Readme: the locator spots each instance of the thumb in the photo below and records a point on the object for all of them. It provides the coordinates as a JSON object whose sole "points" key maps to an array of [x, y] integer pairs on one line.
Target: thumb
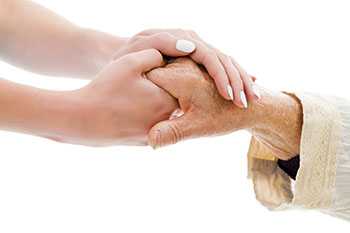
{"points": [[142, 61], [172, 131]]}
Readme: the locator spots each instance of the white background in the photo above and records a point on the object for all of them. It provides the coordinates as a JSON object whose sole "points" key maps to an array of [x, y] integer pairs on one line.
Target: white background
{"points": [[195, 186]]}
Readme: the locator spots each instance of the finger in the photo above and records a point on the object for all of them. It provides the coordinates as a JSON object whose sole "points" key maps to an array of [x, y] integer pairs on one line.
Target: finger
{"points": [[174, 79], [249, 87], [172, 131], [202, 55], [167, 44], [235, 85], [211, 62], [164, 80], [172, 31], [142, 61], [235, 81], [151, 31]]}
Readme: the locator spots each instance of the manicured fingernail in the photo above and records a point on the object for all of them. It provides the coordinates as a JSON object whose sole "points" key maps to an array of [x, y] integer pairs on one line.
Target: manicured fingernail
{"points": [[256, 92], [243, 99], [185, 46], [229, 92]]}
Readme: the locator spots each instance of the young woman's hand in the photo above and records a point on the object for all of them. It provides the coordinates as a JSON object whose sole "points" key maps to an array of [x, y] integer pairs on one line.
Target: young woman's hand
{"points": [[120, 105], [232, 81]]}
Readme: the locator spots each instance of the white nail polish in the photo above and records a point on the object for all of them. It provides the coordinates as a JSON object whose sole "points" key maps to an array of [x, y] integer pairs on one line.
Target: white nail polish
{"points": [[229, 91], [256, 92], [243, 99], [185, 46]]}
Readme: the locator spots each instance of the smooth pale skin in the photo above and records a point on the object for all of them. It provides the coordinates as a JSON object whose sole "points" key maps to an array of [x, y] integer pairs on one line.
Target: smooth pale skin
{"points": [[102, 113], [275, 120], [36, 39]]}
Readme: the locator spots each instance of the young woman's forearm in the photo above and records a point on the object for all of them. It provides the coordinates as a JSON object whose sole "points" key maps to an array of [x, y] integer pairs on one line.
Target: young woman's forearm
{"points": [[100, 113], [34, 111], [36, 39]]}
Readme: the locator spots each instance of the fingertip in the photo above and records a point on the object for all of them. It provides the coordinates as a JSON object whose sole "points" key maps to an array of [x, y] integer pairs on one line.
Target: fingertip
{"points": [[256, 92], [251, 90], [230, 92], [238, 103], [240, 99], [243, 99], [226, 94], [185, 46], [146, 60], [224, 88], [154, 138], [154, 147], [155, 52]]}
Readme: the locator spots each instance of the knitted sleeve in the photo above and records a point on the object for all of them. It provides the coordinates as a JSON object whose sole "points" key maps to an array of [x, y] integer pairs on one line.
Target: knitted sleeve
{"points": [[323, 178]]}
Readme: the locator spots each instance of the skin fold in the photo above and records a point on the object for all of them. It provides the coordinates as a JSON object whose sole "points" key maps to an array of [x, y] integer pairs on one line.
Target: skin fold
{"points": [[275, 120]]}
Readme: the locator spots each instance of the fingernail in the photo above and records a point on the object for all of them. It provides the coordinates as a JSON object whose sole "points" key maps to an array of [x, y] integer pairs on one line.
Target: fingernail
{"points": [[185, 46], [256, 92], [229, 92], [243, 99]]}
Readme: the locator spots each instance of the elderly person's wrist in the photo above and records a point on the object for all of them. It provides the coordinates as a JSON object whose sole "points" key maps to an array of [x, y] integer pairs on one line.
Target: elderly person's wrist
{"points": [[277, 122]]}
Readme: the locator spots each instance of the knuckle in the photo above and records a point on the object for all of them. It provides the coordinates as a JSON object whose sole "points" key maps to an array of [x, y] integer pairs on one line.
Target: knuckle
{"points": [[135, 46], [219, 78], [161, 37], [237, 84], [248, 86], [247, 80], [181, 31], [192, 33], [155, 52], [144, 32], [130, 60], [224, 58], [209, 56], [212, 54], [152, 52], [135, 38]]}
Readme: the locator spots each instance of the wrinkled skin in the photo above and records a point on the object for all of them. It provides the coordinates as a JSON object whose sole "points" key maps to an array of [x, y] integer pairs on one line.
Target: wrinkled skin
{"points": [[275, 120]]}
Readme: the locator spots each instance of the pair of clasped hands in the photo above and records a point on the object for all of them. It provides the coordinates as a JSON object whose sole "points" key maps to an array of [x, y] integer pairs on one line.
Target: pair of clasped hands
{"points": [[139, 99], [161, 87]]}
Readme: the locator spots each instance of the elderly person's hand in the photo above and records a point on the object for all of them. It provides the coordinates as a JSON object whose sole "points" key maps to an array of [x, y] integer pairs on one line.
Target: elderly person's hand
{"points": [[275, 120]]}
